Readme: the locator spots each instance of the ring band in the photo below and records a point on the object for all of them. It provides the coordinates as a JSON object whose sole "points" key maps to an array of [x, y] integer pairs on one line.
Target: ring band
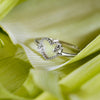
{"points": [[58, 50]]}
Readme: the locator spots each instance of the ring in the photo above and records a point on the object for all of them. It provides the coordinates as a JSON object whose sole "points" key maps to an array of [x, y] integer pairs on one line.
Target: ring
{"points": [[58, 49]]}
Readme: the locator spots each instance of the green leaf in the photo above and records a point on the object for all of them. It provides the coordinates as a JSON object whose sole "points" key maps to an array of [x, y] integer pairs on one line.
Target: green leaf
{"points": [[81, 75], [1, 43], [14, 66], [6, 6], [6, 95], [48, 81], [6, 46], [46, 96], [89, 52], [29, 89]]}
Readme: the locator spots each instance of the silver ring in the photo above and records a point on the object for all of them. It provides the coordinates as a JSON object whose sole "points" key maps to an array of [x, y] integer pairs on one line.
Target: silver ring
{"points": [[58, 50]]}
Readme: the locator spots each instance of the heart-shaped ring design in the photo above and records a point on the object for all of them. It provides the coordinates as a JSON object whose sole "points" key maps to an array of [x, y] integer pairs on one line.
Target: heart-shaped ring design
{"points": [[58, 49]]}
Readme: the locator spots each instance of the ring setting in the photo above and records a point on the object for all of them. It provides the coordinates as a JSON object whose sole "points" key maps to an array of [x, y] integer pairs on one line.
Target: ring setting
{"points": [[57, 50]]}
